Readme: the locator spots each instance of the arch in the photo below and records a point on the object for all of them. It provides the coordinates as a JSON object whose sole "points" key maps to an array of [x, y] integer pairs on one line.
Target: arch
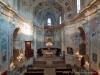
{"points": [[15, 35], [20, 42], [43, 15], [15, 51]]}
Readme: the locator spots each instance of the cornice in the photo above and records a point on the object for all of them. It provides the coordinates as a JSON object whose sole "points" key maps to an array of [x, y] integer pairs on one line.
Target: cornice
{"points": [[88, 11], [8, 9], [93, 6]]}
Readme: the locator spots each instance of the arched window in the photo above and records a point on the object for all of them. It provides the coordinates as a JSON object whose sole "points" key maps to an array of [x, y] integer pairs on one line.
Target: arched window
{"points": [[60, 20], [49, 21], [78, 6]]}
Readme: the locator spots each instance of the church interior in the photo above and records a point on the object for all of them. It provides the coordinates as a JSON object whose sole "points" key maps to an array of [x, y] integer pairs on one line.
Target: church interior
{"points": [[49, 37]]}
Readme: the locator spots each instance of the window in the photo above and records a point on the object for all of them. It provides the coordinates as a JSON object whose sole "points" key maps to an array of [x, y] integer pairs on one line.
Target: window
{"points": [[49, 21], [60, 20], [78, 6]]}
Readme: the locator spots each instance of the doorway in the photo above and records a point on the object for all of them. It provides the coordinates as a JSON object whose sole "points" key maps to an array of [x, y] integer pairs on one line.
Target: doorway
{"points": [[28, 49]]}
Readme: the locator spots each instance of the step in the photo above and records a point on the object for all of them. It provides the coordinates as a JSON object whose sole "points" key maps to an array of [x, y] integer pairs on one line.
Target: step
{"points": [[49, 71]]}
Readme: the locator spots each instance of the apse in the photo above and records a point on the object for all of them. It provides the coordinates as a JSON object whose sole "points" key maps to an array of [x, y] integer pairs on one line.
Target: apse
{"points": [[44, 10], [45, 14]]}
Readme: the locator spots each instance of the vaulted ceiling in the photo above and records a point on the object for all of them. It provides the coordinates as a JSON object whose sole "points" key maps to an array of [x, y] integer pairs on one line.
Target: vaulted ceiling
{"points": [[65, 4], [42, 9]]}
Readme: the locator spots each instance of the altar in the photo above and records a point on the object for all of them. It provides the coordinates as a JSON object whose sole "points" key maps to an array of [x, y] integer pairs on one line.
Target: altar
{"points": [[48, 54]]}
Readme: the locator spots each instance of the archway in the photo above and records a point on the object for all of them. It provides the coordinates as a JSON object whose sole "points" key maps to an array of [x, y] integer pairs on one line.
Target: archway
{"points": [[15, 51], [15, 35], [21, 41]]}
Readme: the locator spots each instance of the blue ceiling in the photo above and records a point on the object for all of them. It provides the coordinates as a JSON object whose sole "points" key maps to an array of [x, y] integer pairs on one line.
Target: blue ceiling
{"points": [[43, 11]]}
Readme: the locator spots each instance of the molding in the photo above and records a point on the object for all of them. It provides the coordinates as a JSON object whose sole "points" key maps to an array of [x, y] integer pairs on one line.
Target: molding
{"points": [[92, 8], [8, 9]]}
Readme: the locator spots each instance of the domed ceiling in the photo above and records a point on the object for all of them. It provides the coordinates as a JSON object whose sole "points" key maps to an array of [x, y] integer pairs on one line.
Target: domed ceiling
{"points": [[44, 9]]}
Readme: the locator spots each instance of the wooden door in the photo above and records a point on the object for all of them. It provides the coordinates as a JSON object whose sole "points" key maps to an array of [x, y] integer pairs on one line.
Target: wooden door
{"points": [[28, 49], [27, 45]]}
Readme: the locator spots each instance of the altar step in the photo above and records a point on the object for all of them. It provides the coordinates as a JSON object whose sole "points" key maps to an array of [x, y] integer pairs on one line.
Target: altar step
{"points": [[49, 64], [49, 71]]}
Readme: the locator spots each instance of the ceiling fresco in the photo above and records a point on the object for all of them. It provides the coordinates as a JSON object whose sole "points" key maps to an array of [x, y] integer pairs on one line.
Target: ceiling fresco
{"points": [[43, 9]]}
